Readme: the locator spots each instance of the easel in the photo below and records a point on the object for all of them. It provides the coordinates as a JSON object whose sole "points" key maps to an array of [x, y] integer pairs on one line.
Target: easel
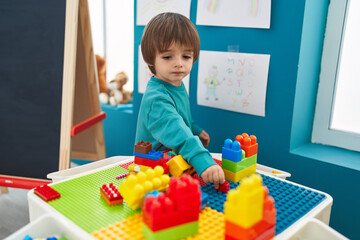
{"points": [[81, 134], [80, 104]]}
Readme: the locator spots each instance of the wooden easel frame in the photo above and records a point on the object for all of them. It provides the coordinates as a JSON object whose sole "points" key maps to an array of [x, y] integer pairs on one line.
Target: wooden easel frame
{"points": [[80, 99]]}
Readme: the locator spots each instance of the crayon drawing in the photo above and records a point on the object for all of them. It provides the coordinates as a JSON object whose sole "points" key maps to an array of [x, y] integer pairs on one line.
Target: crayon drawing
{"points": [[234, 13], [146, 9], [233, 81]]}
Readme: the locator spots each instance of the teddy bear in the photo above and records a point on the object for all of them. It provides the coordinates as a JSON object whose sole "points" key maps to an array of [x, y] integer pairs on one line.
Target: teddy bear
{"points": [[101, 69], [116, 93]]}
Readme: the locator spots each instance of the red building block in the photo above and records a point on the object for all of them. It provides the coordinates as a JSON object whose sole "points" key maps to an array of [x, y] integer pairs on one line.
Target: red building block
{"points": [[180, 205], [111, 194], [143, 147], [46, 193], [225, 187], [148, 162], [248, 144]]}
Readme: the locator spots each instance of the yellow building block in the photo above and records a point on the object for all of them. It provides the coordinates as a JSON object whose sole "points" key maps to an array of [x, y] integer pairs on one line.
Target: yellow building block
{"points": [[135, 186], [244, 205], [138, 168], [238, 176], [211, 227], [177, 166]]}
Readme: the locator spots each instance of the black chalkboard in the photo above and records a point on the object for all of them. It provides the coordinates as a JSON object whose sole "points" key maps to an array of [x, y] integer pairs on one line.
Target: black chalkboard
{"points": [[31, 71]]}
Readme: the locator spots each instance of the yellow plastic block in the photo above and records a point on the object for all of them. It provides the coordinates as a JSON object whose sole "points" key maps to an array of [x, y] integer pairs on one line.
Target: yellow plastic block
{"points": [[244, 205], [211, 227], [238, 176], [177, 166], [135, 186], [127, 229]]}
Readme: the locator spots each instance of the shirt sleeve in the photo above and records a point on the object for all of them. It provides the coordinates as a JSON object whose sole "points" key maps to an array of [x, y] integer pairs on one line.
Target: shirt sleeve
{"points": [[169, 128], [196, 129]]}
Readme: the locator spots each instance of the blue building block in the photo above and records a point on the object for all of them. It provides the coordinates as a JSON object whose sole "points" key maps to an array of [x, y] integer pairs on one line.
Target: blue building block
{"points": [[232, 151], [291, 201], [153, 155], [204, 200]]}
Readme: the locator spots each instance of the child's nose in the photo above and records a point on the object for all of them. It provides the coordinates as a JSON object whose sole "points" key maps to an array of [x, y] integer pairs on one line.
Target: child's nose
{"points": [[178, 62]]}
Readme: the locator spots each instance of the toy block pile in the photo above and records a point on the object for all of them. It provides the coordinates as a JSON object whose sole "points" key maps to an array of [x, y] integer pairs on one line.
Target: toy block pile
{"points": [[239, 157], [175, 214], [135, 186], [147, 158], [249, 211]]}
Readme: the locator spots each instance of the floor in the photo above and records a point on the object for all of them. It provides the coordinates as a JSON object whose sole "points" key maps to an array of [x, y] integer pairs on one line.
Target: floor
{"points": [[14, 211]]}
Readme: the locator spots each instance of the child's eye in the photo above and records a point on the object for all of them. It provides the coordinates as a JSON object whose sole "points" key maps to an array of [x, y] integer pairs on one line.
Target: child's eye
{"points": [[166, 57], [187, 57]]}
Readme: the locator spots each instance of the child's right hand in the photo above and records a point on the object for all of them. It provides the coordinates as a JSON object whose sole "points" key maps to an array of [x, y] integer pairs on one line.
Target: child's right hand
{"points": [[213, 174]]}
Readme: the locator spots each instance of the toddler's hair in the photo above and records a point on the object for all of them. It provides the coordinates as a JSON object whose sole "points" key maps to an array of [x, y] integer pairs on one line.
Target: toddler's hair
{"points": [[165, 29]]}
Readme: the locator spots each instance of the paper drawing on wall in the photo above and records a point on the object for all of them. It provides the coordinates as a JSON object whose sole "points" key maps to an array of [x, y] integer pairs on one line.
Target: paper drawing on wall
{"points": [[234, 13], [147, 9], [233, 81]]}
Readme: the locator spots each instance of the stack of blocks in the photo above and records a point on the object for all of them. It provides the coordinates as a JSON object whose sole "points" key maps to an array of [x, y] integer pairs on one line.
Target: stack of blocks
{"points": [[148, 158], [135, 186], [249, 211], [239, 157], [175, 214]]}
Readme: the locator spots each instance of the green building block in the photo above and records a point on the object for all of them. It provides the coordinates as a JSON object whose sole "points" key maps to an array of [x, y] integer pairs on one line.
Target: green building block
{"points": [[239, 166], [173, 233]]}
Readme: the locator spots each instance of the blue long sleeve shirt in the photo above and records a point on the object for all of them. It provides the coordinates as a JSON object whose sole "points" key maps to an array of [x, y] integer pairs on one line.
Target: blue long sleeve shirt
{"points": [[165, 120]]}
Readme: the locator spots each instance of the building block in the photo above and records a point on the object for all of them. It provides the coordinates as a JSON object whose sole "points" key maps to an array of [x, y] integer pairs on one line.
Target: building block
{"points": [[178, 166], [148, 162], [143, 147], [179, 205], [248, 144], [204, 200], [111, 195], [154, 155], [239, 166], [251, 233], [244, 205], [135, 186], [122, 175], [46, 193], [225, 187], [174, 233], [238, 176], [232, 151]]}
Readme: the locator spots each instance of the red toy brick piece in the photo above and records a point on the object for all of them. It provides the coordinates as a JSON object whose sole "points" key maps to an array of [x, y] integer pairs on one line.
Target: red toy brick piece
{"points": [[111, 194], [46, 193], [143, 147], [218, 162], [180, 205], [248, 144], [126, 165], [225, 187], [148, 162]]}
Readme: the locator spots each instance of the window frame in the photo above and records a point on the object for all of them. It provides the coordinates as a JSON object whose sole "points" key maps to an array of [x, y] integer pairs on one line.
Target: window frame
{"points": [[322, 133]]}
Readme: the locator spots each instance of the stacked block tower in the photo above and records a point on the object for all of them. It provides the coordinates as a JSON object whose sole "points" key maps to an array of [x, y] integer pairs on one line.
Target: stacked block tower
{"points": [[239, 157], [147, 158], [175, 214], [249, 211]]}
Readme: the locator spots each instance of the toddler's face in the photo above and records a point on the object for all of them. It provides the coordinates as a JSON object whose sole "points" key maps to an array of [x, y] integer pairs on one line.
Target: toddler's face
{"points": [[173, 64]]}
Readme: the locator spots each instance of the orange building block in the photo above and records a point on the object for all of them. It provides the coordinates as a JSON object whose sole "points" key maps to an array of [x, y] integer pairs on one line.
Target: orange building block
{"points": [[248, 144]]}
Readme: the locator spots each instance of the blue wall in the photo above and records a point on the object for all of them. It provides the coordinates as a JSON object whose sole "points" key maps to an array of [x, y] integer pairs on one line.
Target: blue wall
{"points": [[294, 42]]}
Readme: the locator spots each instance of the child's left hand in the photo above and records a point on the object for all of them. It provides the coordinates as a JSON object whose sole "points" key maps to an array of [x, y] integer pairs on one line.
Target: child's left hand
{"points": [[205, 138]]}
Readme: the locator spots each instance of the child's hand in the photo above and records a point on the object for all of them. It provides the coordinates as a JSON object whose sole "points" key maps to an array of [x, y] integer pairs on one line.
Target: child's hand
{"points": [[213, 174], [205, 138]]}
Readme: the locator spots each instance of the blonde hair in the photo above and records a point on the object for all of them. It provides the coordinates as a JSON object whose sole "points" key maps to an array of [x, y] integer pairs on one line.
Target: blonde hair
{"points": [[165, 29]]}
